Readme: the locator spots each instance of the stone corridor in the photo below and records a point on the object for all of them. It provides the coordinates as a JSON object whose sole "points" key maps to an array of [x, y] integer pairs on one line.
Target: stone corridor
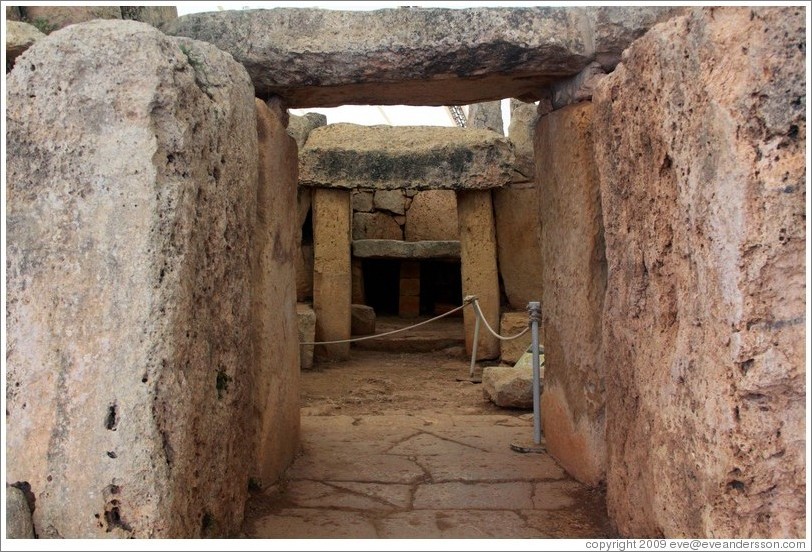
{"points": [[426, 475]]}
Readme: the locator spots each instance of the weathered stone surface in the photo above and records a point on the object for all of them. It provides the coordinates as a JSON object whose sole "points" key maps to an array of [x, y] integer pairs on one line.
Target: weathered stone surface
{"points": [[509, 387], [511, 324], [704, 322], [416, 56], [363, 320], [18, 515], [396, 249], [131, 205], [523, 118], [157, 16], [300, 127], [518, 238], [19, 37], [613, 28], [432, 216], [387, 158], [375, 226], [332, 276], [358, 290], [573, 274], [478, 264], [486, 115], [52, 18], [306, 317], [578, 88], [390, 200], [362, 201], [276, 382]]}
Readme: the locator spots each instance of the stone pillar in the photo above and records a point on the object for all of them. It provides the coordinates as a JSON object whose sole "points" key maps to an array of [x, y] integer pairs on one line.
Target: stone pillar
{"points": [[409, 302], [332, 275], [479, 272], [275, 328], [573, 270]]}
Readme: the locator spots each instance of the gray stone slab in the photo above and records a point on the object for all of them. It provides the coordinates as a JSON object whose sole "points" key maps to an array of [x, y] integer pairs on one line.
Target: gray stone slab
{"points": [[416, 56], [350, 156], [396, 249]]}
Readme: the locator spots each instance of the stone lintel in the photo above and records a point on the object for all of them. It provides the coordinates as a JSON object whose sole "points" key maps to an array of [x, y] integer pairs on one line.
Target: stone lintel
{"points": [[397, 249], [349, 156]]}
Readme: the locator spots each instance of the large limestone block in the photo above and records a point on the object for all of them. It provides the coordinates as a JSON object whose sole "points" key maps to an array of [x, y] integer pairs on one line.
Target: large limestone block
{"points": [[332, 274], [131, 204], [52, 18], [275, 328], [18, 515], [432, 216], [375, 226], [512, 323], [346, 156], [523, 118], [390, 200], [703, 171], [19, 37], [300, 127], [518, 234], [478, 267], [486, 115], [363, 320], [416, 56], [573, 282]]}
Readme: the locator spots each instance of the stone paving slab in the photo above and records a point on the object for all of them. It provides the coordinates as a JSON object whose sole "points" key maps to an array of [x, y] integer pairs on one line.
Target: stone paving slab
{"points": [[426, 475]]}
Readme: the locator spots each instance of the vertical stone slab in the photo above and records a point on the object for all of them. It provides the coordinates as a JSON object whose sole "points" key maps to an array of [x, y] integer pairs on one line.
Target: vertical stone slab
{"points": [[332, 276], [573, 270], [703, 183], [479, 272], [518, 231], [132, 181], [275, 327]]}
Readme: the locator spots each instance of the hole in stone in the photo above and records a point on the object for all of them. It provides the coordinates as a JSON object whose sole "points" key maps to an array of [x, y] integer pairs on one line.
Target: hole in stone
{"points": [[111, 420]]}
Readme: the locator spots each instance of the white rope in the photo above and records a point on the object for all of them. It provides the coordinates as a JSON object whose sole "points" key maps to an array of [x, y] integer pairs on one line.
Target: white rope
{"points": [[376, 336], [493, 333]]}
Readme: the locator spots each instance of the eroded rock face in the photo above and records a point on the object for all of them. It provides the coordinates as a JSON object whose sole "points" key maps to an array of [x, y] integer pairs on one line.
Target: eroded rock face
{"points": [[131, 202], [573, 274], [275, 327], [486, 115], [300, 127], [702, 172], [511, 324], [18, 515], [52, 18], [19, 37], [432, 215], [416, 56], [418, 158]]}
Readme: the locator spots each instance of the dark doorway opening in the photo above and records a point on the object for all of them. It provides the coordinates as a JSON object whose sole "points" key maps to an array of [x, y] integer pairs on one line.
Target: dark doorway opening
{"points": [[382, 285], [440, 286]]}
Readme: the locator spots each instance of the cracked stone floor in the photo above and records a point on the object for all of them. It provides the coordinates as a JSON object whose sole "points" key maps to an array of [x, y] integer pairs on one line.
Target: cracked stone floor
{"points": [[423, 475]]}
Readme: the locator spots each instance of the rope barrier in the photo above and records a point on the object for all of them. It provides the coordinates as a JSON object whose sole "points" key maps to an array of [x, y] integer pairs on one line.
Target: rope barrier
{"points": [[488, 326], [376, 336]]}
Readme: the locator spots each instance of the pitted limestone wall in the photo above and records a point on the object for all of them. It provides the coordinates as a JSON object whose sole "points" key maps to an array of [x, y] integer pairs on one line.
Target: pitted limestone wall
{"points": [[573, 275], [700, 137], [131, 203]]}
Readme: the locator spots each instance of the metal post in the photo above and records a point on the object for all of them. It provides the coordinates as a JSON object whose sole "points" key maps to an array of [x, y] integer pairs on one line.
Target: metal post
{"points": [[534, 310], [534, 313], [473, 346]]}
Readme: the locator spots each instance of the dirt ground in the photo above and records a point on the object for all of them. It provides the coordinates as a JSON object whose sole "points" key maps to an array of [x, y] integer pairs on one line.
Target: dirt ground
{"points": [[378, 382]]}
